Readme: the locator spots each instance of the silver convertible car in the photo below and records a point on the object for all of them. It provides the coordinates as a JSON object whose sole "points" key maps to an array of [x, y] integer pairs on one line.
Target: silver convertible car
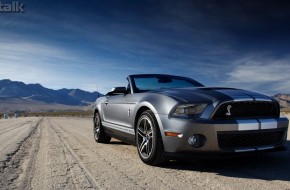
{"points": [[166, 115]]}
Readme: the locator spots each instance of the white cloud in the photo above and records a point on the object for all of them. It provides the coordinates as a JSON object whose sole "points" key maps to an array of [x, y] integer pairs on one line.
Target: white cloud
{"points": [[29, 61], [58, 67], [267, 75]]}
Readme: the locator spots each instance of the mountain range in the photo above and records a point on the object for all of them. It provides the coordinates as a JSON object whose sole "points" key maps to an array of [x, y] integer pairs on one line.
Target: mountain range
{"points": [[284, 100], [28, 96], [71, 97]]}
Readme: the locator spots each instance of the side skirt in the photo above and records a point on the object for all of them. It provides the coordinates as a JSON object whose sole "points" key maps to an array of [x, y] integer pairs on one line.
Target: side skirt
{"points": [[119, 132], [126, 139]]}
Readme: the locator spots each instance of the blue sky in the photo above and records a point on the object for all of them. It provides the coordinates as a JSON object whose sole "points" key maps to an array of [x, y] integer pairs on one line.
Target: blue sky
{"points": [[85, 44]]}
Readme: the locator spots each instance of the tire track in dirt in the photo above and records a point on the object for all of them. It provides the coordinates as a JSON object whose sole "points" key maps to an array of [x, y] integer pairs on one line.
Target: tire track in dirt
{"points": [[51, 167], [14, 134], [78, 145], [127, 171], [11, 128], [121, 158], [13, 174], [81, 175]]}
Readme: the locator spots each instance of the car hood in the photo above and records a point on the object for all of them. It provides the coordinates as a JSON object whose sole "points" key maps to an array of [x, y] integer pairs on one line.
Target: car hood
{"points": [[211, 94]]}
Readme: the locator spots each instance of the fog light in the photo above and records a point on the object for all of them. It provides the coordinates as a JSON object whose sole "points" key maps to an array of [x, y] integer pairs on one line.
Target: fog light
{"points": [[197, 141], [192, 140]]}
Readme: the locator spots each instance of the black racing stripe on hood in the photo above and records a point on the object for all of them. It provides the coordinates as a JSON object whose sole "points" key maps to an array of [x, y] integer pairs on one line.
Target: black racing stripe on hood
{"points": [[215, 93], [236, 94], [244, 94]]}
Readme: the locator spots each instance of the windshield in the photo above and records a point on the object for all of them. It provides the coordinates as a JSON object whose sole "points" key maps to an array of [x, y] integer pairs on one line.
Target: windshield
{"points": [[144, 83]]}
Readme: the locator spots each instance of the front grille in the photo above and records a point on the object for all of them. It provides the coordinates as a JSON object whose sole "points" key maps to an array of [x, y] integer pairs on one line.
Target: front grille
{"points": [[246, 139], [247, 109]]}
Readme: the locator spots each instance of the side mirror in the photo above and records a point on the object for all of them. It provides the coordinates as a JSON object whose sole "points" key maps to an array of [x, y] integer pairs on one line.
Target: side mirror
{"points": [[117, 90]]}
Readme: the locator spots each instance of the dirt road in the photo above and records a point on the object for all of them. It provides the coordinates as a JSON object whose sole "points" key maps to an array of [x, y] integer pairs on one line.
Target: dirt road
{"points": [[60, 153]]}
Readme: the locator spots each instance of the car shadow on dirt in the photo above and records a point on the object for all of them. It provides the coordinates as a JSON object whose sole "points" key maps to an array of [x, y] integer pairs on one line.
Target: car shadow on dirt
{"points": [[118, 143], [265, 166]]}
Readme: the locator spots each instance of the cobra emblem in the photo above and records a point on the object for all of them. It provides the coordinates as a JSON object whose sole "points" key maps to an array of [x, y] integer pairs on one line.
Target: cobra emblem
{"points": [[229, 110]]}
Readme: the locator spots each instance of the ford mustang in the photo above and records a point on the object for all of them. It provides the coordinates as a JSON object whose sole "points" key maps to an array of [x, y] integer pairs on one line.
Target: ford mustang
{"points": [[165, 115]]}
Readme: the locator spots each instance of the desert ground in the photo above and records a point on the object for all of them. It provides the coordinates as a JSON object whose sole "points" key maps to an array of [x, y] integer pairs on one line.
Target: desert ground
{"points": [[60, 153]]}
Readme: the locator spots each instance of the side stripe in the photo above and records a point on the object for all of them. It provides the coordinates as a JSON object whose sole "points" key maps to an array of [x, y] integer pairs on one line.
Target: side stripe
{"points": [[118, 127]]}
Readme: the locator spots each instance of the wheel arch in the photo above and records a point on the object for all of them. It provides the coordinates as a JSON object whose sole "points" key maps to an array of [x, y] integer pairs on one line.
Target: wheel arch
{"points": [[138, 113], [96, 111], [147, 106]]}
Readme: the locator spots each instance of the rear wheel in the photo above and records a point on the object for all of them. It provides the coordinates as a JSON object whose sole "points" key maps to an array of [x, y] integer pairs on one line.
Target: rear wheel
{"points": [[99, 133], [149, 140]]}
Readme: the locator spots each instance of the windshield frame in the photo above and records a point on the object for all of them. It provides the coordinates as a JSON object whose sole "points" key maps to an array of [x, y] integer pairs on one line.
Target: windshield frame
{"points": [[134, 89]]}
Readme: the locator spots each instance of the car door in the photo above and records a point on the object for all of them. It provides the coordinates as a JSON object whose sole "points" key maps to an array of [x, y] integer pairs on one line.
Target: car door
{"points": [[113, 109], [117, 110], [130, 103]]}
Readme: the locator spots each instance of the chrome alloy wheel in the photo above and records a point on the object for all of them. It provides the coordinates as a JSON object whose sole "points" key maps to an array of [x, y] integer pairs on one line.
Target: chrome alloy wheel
{"points": [[97, 127], [145, 136]]}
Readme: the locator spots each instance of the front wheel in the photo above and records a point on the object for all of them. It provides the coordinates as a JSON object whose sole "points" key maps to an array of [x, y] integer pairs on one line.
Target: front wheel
{"points": [[149, 140], [99, 133]]}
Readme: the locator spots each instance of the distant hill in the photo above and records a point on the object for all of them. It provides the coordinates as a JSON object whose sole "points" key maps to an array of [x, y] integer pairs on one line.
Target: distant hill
{"points": [[71, 97], [80, 95], [11, 105], [284, 100]]}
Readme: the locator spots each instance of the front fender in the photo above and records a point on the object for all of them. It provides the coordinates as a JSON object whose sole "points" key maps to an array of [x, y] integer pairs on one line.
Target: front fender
{"points": [[159, 104], [97, 106]]}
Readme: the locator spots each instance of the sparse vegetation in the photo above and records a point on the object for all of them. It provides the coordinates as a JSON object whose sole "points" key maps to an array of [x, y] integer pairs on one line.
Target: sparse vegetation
{"points": [[88, 113], [59, 114]]}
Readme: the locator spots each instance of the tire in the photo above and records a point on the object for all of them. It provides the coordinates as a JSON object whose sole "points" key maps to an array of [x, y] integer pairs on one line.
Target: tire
{"points": [[148, 139], [99, 132]]}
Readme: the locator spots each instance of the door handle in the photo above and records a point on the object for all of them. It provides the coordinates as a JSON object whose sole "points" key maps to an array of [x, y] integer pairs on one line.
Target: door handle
{"points": [[107, 102]]}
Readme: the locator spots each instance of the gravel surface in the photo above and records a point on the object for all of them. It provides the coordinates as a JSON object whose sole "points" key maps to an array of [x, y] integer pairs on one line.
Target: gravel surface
{"points": [[60, 153]]}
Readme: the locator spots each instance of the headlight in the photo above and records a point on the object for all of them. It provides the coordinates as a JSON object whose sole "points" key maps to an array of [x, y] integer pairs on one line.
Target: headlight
{"points": [[189, 110]]}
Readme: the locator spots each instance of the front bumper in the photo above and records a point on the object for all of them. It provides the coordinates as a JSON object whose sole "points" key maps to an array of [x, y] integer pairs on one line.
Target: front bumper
{"points": [[224, 136]]}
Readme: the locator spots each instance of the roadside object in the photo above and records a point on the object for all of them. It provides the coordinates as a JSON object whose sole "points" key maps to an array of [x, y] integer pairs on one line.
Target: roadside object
{"points": [[5, 116]]}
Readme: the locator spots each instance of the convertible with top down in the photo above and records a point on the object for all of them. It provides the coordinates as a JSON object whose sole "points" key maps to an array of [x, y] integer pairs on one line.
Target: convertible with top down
{"points": [[165, 115]]}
